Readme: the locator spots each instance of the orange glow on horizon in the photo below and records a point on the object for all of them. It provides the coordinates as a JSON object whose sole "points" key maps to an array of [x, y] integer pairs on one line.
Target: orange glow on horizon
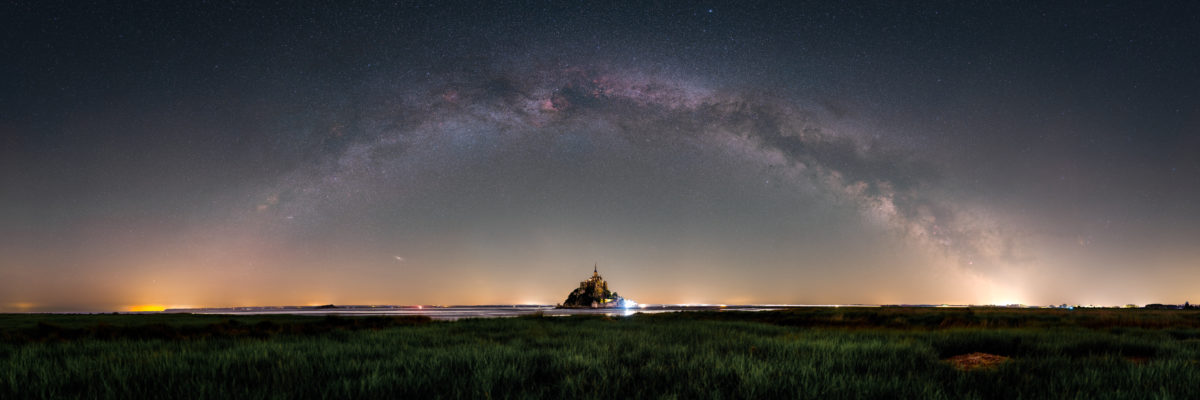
{"points": [[147, 308], [21, 306]]}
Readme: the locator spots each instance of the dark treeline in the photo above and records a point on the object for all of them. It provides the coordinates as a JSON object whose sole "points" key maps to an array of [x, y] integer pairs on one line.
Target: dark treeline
{"points": [[227, 328], [33, 328], [944, 318], [1184, 306]]}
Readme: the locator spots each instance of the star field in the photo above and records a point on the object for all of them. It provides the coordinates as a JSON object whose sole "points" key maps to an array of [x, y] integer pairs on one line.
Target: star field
{"points": [[377, 153]]}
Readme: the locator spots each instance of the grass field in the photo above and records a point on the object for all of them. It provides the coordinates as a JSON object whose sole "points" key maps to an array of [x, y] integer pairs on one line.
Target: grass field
{"points": [[802, 353]]}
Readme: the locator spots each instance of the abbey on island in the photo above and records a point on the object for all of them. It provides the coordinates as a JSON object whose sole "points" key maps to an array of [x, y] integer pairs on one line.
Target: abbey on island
{"points": [[594, 293]]}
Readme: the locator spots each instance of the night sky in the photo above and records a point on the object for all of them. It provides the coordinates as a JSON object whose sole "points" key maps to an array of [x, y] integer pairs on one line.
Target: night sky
{"points": [[227, 153]]}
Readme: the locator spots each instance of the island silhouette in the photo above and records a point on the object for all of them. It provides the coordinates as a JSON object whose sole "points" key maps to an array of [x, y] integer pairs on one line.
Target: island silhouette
{"points": [[593, 293]]}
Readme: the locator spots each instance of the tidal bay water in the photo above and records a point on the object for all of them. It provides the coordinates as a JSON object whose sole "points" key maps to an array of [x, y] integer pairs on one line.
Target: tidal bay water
{"points": [[483, 311]]}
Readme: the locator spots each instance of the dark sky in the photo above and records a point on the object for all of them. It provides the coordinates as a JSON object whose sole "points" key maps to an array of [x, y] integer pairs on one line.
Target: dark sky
{"points": [[221, 153]]}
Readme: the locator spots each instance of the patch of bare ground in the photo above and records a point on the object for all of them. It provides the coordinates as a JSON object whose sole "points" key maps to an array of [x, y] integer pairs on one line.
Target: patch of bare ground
{"points": [[1138, 360], [976, 360]]}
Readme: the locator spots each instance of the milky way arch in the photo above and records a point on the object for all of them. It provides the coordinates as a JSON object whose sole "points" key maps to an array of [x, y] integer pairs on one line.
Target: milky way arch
{"points": [[413, 136]]}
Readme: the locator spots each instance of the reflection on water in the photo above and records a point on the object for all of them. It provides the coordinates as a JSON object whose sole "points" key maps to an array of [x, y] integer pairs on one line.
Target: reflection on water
{"points": [[496, 311]]}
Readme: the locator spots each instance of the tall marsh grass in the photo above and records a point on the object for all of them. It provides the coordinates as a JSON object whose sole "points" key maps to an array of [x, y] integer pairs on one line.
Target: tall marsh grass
{"points": [[695, 355]]}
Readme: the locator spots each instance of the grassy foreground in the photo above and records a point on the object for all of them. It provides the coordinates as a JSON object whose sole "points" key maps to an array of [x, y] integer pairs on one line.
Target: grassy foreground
{"points": [[803, 353]]}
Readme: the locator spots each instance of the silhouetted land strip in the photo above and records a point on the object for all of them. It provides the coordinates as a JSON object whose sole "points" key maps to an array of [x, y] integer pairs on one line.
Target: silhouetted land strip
{"points": [[942, 318], [820, 353], [189, 330]]}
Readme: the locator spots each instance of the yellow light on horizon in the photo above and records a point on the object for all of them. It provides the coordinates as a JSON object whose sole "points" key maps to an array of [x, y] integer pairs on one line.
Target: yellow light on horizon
{"points": [[147, 308], [20, 306]]}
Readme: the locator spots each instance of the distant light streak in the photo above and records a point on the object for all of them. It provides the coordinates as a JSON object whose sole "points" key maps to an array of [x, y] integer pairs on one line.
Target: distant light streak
{"points": [[147, 308], [22, 306]]}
